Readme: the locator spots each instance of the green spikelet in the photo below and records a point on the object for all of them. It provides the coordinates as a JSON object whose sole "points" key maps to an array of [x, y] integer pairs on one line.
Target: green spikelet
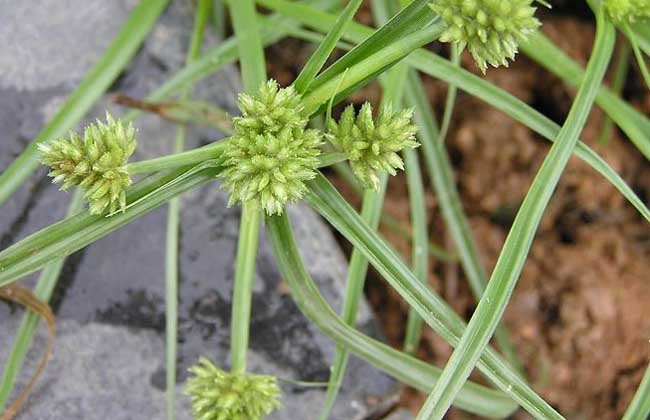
{"points": [[627, 11], [490, 29], [96, 163], [373, 147], [219, 395], [271, 152]]}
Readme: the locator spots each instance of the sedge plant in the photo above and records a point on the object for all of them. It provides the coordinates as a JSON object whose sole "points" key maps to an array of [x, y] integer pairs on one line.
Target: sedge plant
{"points": [[273, 158]]}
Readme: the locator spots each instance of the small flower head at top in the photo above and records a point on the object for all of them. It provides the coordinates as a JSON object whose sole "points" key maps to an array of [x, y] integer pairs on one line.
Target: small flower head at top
{"points": [[372, 147], [627, 11], [271, 153], [219, 395], [490, 29], [96, 163]]}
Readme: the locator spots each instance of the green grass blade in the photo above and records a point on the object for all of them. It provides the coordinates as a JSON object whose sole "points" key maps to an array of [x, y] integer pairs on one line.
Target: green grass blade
{"points": [[320, 56], [435, 250], [253, 68], [434, 310], [249, 44], [620, 74], [452, 92], [639, 407], [442, 69], [473, 398], [382, 11], [519, 240], [173, 232], [371, 210], [243, 286], [419, 244], [43, 290], [97, 80], [638, 55], [441, 177], [69, 235], [412, 19], [634, 125], [642, 32], [368, 68]]}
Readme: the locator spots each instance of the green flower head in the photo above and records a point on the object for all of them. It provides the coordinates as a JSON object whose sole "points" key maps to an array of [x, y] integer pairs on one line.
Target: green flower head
{"points": [[372, 147], [96, 163], [627, 11], [271, 153], [219, 395], [490, 29]]}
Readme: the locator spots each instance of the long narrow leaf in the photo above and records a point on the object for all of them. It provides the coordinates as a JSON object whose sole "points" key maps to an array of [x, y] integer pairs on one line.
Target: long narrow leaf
{"points": [[519, 240], [65, 237], [553, 59], [319, 57], [441, 176]]}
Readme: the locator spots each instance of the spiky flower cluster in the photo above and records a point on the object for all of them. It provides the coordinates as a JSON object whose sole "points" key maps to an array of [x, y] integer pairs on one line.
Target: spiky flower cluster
{"points": [[96, 163], [372, 147], [490, 29], [219, 395], [271, 152], [627, 11]]}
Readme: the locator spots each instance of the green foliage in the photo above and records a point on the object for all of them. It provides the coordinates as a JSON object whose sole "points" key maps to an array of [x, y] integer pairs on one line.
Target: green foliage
{"points": [[219, 395], [490, 29], [372, 147], [627, 11], [96, 163], [271, 152]]}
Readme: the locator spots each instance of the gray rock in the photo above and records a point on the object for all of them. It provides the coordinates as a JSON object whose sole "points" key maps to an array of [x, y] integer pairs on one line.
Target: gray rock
{"points": [[110, 300]]}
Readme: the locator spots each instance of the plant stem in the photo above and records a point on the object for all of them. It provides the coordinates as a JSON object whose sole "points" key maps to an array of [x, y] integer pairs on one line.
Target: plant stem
{"points": [[253, 68], [357, 271], [173, 231], [620, 74], [243, 289], [519, 240]]}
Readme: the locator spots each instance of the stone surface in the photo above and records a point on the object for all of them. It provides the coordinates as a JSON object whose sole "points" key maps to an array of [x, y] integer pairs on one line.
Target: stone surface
{"points": [[110, 301]]}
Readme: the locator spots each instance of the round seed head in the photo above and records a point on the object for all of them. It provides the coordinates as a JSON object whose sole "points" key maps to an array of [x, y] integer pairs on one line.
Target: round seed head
{"points": [[490, 29], [95, 162], [219, 395], [271, 152], [627, 11], [372, 147]]}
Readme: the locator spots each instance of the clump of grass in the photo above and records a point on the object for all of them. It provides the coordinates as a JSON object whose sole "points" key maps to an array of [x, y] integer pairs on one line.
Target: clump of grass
{"points": [[273, 159]]}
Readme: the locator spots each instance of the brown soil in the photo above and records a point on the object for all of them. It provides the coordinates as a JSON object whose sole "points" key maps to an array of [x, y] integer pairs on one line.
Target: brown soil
{"points": [[579, 316]]}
